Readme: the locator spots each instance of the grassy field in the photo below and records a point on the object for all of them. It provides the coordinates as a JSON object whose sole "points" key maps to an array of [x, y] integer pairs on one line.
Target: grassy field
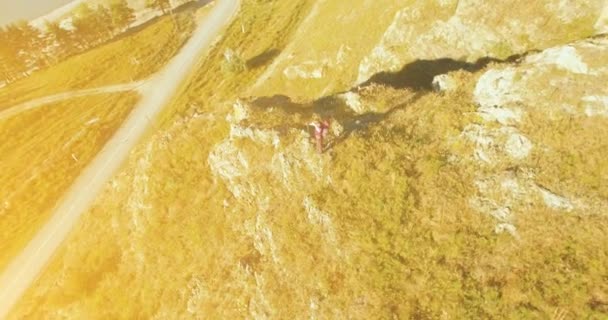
{"points": [[45, 151], [336, 50], [58, 140], [378, 227], [258, 31], [92, 284], [134, 56]]}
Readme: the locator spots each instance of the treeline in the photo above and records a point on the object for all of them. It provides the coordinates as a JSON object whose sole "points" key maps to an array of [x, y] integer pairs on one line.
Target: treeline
{"points": [[24, 48]]}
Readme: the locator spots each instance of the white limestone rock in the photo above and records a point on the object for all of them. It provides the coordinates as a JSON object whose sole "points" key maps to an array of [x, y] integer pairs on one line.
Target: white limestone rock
{"points": [[444, 83], [353, 101], [306, 70], [504, 116], [508, 228], [492, 145], [554, 201], [565, 58], [240, 112], [380, 59], [496, 88], [518, 146]]}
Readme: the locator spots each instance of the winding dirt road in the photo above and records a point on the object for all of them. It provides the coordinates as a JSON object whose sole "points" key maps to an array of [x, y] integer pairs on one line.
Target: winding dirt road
{"points": [[37, 103], [24, 269]]}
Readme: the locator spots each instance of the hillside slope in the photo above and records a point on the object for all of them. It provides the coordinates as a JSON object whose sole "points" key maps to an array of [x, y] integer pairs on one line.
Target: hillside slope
{"points": [[464, 176], [384, 35]]}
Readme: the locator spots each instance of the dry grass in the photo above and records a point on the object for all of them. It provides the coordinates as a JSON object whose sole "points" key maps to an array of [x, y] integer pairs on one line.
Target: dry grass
{"points": [[395, 238], [336, 38], [572, 158], [267, 26], [46, 150], [426, 254], [56, 139]]}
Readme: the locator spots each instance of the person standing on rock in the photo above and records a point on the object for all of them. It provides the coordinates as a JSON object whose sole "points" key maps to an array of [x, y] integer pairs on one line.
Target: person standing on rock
{"points": [[321, 130]]}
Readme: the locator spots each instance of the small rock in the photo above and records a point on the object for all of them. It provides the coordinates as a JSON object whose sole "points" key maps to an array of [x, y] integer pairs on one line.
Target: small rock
{"points": [[336, 128], [518, 146], [240, 112], [496, 88], [353, 101], [554, 201], [444, 83], [306, 70], [511, 186], [92, 121], [504, 116], [501, 214], [506, 227]]}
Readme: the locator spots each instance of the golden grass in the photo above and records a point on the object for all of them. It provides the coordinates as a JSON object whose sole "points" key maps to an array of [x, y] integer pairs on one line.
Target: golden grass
{"points": [[267, 25], [44, 151], [336, 36], [55, 139], [399, 238], [572, 159], [426, 254], [92, 281]]}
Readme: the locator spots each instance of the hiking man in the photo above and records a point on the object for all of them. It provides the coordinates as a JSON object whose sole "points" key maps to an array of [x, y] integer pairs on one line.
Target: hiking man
{"points": [[321, 130]]}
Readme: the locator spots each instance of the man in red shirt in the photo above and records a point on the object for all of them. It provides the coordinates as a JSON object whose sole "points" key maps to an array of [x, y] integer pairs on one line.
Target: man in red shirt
{"points": [[321, 130]]}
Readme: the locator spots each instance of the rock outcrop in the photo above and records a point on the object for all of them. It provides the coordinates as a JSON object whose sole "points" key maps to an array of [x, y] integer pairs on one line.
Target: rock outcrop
{"points": [[467, 30], [566, 81]]}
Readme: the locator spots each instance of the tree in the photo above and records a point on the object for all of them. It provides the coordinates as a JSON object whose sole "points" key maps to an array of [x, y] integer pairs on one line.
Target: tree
{"points": [[30, 44], [162, 5], [84, 26], [103, 23], [21, 51], [60, 42], [122, 15], [93, 26], [8, 63]]}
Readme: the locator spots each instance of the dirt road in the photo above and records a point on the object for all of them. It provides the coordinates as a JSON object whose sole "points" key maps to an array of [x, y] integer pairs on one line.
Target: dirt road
{"points": [[25, 268], [36, 103]]}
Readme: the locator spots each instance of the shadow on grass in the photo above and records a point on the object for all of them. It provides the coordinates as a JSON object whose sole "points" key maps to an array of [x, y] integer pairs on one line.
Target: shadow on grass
{"points": [[263, 58], [326, 107], [366, 120], [330, 107]]}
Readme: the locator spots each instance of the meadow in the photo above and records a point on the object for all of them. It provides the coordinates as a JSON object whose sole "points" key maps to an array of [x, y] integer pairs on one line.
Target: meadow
{"points": [[46, 148], [43, 153]]}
